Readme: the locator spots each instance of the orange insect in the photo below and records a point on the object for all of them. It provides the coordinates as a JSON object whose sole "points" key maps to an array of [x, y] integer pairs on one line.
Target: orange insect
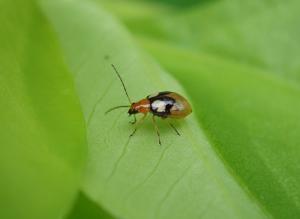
{"points": [[164, 104]]}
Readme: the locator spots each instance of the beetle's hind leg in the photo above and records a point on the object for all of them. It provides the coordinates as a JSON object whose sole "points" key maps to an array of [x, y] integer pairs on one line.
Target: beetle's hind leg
{"points": [[156, 129], [137, 124], [174, 128]]}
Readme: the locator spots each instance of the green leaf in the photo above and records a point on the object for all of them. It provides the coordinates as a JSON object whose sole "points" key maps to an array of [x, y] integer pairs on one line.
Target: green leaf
{"points": [[258, 33], [251, 117], [262, 34], [180, 3], [42, 133], [135, 177]]}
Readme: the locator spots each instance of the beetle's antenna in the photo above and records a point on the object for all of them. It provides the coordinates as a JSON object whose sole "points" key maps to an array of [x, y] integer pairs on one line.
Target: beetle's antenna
{"points": [[122, 83], [116, 107]]}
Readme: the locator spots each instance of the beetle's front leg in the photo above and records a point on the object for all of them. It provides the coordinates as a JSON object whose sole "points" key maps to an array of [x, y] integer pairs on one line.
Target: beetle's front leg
{"points": [[138, 124], [134, 120]]}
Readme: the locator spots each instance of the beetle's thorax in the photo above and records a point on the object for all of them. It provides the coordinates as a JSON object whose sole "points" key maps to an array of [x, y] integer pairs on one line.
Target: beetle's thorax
{"points": [[142, 106]]}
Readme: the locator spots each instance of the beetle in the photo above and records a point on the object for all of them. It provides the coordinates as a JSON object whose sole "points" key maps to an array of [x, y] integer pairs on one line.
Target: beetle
{"points": [[165, 104]]}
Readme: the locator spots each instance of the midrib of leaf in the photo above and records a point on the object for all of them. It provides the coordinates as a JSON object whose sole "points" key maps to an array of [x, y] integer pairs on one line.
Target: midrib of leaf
{"points": [[137, 69], [209, 143]]}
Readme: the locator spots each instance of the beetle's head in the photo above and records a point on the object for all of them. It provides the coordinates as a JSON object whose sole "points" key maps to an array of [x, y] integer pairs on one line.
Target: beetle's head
{"points": [[132, 109]]}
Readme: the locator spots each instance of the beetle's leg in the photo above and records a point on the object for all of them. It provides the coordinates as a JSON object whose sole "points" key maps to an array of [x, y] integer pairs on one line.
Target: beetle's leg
{"points": [[137, 124], [156, 129], [174, 129], [134, 120]]}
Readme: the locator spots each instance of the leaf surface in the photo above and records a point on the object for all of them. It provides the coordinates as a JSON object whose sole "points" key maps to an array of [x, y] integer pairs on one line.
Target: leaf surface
{"points": [[135, 177], [42, 135]]}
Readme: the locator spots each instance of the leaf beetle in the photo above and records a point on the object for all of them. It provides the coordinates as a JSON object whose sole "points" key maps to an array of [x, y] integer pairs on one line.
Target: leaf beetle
{"points": [[165, 104]]}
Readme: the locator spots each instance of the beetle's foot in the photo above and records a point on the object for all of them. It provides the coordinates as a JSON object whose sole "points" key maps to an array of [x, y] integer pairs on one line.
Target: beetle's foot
{"points": [[132, 133]]}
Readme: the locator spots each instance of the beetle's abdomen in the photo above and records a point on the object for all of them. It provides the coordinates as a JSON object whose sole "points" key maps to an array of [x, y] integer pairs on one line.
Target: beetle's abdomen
{"points": [[169, 104]]}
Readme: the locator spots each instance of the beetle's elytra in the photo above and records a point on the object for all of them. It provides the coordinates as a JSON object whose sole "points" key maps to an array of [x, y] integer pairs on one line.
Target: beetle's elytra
{"points": [[164, 104]]}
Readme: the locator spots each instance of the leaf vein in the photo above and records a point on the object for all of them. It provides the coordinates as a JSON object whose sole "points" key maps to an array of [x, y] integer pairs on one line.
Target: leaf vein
{"points": [[172, 187], [100, 99], [151, 173], [116, 165]]}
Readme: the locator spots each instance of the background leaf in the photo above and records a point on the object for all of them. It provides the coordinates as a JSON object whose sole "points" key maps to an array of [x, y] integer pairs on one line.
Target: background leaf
{"points": [[42, 133], [137, 178], [258, 33], [251, 118]]}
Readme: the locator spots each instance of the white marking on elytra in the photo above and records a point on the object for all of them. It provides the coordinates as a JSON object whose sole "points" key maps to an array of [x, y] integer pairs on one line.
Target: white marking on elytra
{"points": [[177, 107], [159, 106]]}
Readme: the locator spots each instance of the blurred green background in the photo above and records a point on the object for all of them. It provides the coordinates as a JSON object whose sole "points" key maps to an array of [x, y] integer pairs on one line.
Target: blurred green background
{"points": [[236, 61]]}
